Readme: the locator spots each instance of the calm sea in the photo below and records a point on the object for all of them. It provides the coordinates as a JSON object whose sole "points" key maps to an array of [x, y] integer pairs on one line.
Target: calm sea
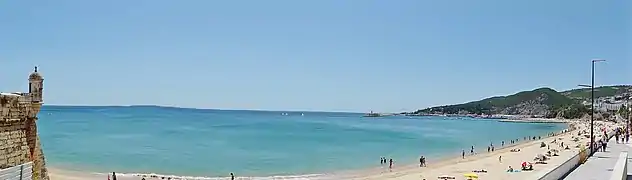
{"points": [[254, 143]]}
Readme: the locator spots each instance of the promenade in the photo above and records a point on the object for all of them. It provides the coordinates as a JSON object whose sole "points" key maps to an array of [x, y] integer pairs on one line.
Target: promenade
{"points": [[600, 165]]}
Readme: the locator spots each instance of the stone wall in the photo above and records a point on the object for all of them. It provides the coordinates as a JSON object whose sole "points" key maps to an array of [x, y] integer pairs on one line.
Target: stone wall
{"points": [[13, 144], [19, 141]]}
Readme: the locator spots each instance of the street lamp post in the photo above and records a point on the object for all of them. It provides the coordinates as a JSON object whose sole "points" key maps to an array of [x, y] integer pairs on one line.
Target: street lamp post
{"points": [[592, 103]]}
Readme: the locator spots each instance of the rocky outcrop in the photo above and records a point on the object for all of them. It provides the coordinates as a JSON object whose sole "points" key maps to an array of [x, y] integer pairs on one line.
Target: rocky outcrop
{"points": [[534, 107]]}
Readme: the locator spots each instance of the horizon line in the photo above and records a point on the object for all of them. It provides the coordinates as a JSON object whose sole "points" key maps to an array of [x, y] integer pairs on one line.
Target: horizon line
{"points": [[220, 109]]}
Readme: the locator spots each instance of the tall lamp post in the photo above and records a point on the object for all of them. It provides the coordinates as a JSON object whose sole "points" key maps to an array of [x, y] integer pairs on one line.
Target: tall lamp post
{"points": [[592, 103]]}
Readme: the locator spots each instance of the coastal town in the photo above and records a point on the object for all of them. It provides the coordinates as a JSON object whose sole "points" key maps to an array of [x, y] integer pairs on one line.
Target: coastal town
{"points": [[316, 90]]}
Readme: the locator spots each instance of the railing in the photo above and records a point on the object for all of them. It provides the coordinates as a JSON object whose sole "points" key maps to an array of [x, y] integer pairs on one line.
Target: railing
{"points": [[19, 172], [620, 170]]}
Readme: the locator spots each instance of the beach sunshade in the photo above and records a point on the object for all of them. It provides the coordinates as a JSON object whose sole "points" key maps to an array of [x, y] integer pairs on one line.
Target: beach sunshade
{"points": [[446, 177], [471, 175]]}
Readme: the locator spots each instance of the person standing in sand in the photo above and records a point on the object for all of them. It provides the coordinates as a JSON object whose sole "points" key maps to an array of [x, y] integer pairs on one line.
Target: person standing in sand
{"points": [[390, 165], [463, 154], [232, 176]]}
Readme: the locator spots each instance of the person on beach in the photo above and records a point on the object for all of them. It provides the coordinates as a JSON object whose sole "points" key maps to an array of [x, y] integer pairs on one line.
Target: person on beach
{"points": [[381, 160], [232, 176], [500, 159], [472, 150], [488, 148], [492, 148], [390, 165], [463, 154], [113, 175], [502, 143], [421, 161]]}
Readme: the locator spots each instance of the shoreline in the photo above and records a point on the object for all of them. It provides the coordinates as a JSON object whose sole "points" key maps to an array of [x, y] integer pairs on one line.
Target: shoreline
{"points": [[447, 160], [60, 173], [536, 120], [495, 168]]}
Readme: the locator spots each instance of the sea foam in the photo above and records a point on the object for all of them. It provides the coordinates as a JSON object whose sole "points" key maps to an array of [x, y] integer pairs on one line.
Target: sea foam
{"points": [[175, 177]]}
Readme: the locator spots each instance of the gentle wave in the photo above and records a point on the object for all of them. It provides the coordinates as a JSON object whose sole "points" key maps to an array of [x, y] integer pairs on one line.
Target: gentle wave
{"points": [[175, 177]]}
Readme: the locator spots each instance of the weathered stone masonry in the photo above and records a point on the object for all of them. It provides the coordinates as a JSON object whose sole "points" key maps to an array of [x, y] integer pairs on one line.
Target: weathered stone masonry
{"points": [[19, 141]]}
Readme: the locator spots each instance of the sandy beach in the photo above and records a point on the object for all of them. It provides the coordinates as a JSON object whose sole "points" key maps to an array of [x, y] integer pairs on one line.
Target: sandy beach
{"points": [[496, 169], [456, 167]]}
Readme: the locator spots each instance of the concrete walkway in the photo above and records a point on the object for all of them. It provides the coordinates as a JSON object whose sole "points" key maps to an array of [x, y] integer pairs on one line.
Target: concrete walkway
{"points": [[600, 165]]}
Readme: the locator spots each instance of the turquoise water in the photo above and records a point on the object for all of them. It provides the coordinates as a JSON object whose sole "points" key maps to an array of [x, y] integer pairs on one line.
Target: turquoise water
{"points": [[254, 143]]}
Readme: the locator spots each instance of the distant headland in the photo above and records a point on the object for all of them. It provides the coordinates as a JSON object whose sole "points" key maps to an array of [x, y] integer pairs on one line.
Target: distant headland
{"points": [[539, 103]]}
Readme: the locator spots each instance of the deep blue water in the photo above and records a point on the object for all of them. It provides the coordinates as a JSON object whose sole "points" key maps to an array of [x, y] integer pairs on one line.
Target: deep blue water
{"points": [[259, 143]]}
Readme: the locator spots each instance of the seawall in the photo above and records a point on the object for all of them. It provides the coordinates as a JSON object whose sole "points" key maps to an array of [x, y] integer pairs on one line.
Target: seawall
{"points": [[19, 141]]}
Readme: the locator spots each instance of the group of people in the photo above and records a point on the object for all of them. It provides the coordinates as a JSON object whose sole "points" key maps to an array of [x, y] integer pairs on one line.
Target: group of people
{"points": [[491, 148], [622, 135], [422, 161], [383, 161]]}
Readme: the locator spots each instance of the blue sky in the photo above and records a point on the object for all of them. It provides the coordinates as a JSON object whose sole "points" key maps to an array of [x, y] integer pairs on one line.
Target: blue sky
{"points": [[326, 55]]}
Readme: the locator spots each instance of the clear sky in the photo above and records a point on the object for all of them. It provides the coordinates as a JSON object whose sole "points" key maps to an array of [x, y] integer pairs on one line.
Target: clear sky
{"points": [[330, 55]]}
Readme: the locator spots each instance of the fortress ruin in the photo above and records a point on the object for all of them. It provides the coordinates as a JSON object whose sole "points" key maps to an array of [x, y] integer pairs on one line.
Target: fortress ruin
{"points": [[19, 142]]}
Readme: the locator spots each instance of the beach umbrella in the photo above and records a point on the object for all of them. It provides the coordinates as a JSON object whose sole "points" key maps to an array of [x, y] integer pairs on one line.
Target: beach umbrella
{"points": [[446, 177], [471, 175]]}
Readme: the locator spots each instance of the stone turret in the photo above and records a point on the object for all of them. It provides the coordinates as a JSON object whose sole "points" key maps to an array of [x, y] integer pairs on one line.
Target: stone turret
{"points": [[36, 85], [19, 141]]}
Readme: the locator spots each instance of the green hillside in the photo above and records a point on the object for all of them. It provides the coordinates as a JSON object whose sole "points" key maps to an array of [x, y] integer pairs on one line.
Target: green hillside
{"points": [[542, 101], [603, 91], [539, 102]]}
